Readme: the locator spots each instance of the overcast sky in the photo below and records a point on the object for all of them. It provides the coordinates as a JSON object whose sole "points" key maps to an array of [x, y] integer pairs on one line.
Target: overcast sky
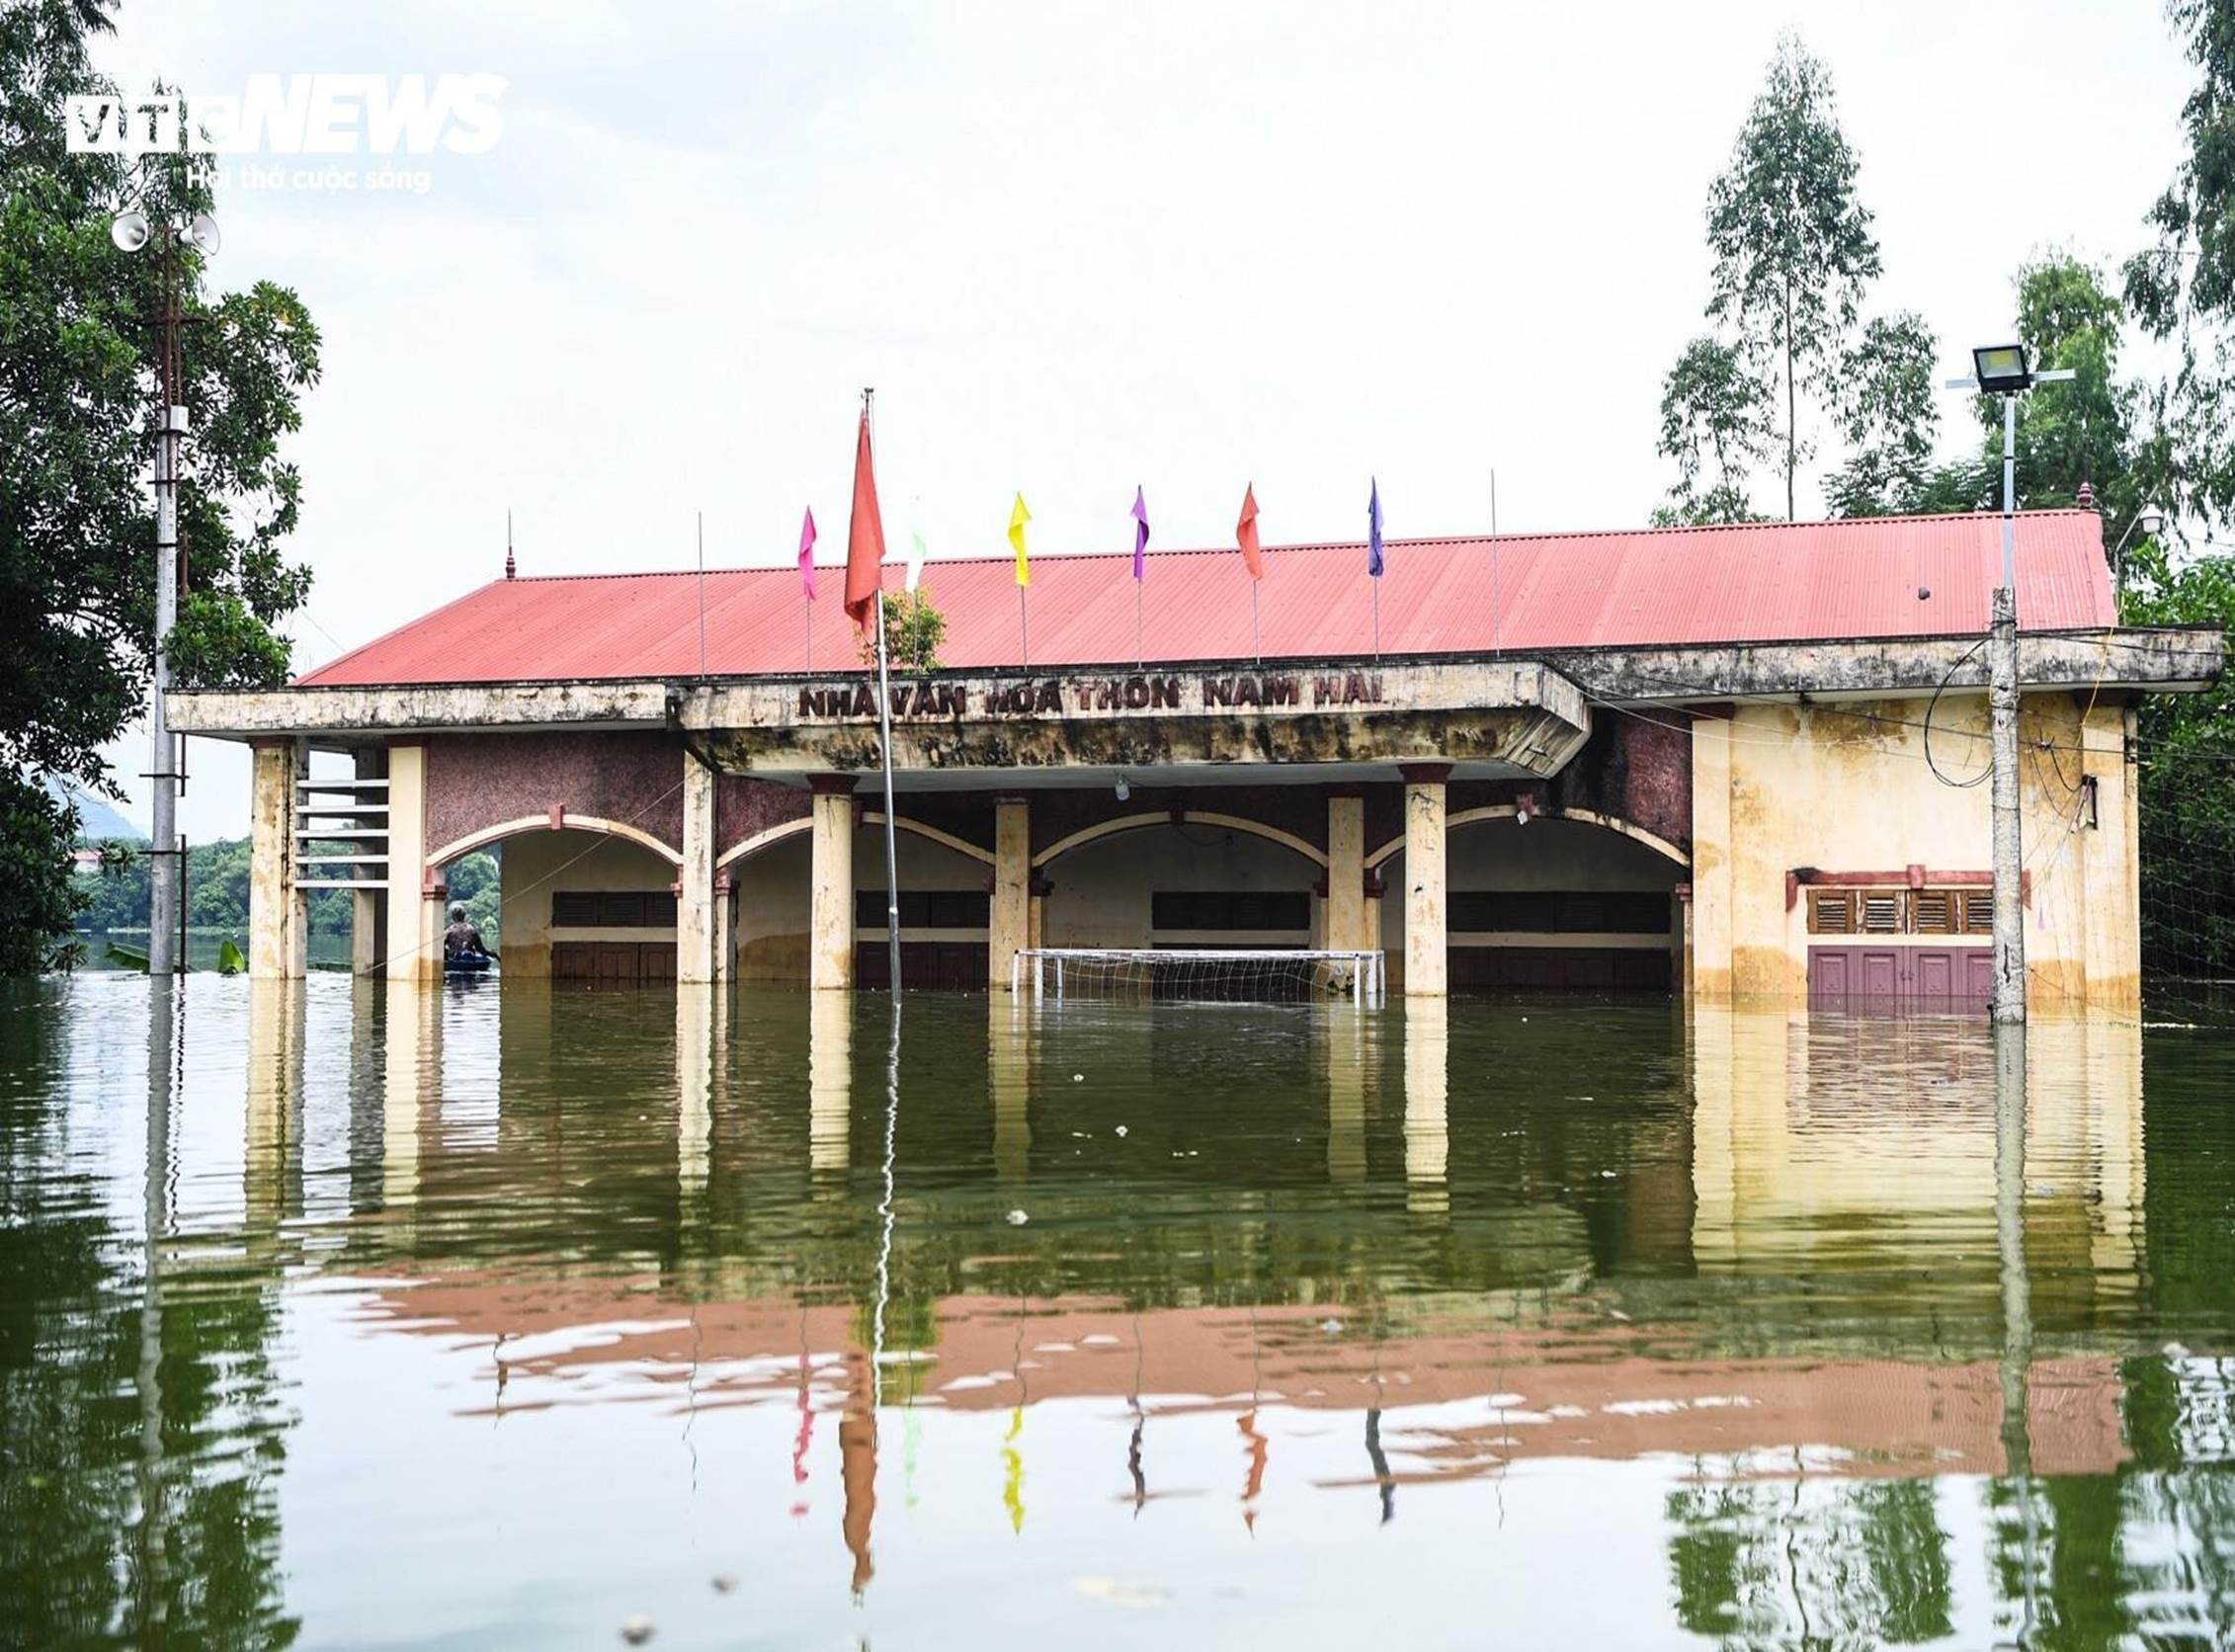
{"points": [[1077, 248]]}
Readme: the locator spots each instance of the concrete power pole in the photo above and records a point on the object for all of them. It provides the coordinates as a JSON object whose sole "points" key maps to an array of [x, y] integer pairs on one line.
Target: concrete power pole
{"points": [[2003, 371], [2002, 710], [164, 880]]}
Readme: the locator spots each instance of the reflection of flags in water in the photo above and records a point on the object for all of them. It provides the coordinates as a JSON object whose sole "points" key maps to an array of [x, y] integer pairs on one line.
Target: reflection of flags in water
{"points": [[807, 554], [1018, 517], [1013, 1475], [1245, 534], [1141, 533], [1373, 531]]}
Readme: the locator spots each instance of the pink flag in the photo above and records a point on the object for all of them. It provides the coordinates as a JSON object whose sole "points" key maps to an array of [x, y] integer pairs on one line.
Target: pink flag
{"points": [[807, 554]]}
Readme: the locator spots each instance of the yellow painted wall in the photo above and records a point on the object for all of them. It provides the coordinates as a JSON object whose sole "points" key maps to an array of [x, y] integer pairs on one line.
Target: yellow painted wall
{"points": [[773, 888], [1848, 788]]}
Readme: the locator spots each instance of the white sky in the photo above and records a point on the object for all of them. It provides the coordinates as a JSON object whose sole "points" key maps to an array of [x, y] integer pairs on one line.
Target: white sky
{"points": [[1079, 247]]}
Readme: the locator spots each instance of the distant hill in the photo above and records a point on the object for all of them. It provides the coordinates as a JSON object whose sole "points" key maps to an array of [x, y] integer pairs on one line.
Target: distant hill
{"points": [[97, 819]]}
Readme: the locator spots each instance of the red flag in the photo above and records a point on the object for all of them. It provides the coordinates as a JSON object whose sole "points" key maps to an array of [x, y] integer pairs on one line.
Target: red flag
{"points": [[1245, 535], [865, 535]]}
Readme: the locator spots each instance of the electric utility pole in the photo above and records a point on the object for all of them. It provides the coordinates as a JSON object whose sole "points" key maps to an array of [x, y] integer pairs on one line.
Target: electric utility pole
{"points": [[130, 232], [2002, 370]]}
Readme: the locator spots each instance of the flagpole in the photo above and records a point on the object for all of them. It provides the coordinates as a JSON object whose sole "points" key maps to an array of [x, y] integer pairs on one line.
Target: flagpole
{"points": [[1256, 641], [1376, 616], [1024, 631], [701, 593], [884, 742], [1140, 656]]}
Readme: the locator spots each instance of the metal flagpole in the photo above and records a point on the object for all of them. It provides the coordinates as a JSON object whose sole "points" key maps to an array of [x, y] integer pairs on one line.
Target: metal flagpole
{"points": [[1376, 616], [884, 742], [701, 593], [1140, 656], [1024, 631], [1256, 641]]}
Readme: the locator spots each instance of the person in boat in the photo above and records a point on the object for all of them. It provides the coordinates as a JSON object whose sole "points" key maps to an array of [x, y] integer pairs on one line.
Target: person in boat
{"points": [[462, 939]]}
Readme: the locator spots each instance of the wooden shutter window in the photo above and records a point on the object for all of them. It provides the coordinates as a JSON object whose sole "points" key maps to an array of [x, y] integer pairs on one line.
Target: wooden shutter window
{"points": [[1935, 912], [1831, 912], [1978, 912], [1883, 911]]}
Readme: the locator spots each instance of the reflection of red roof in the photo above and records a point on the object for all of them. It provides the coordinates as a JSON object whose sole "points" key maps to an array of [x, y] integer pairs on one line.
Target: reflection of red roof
{"points": [[1575, 1391], [1767, 582]]}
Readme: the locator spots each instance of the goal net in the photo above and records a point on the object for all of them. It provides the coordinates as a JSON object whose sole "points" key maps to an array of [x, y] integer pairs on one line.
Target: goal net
{"points": [[1203, 974]]}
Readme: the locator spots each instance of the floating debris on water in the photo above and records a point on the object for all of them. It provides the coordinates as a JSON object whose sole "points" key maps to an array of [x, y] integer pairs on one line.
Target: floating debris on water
{"points": [[637, 1631], [1018, 1218]]}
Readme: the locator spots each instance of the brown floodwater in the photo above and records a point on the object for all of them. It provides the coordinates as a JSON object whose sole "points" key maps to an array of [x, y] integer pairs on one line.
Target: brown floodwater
{"points": [[511, 1315]]}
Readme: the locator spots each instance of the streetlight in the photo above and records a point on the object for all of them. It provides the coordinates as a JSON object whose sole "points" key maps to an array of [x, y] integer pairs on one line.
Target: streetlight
{"points": [[2004, 370], [130, 232], [2151, 521]]}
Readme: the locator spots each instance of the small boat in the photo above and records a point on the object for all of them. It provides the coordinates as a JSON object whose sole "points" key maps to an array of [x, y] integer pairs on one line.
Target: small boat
{"points": [[468, 963]]}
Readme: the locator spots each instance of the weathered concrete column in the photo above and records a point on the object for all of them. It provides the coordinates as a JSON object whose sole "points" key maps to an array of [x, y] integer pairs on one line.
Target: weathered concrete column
{"points": [[1009, 921], [695, 878], [1427, 966], [276, 926], [726, 927], [1009, 1079], [364, 949], [1345, 873], [1710, 971], [829, 924], [414, 926]]}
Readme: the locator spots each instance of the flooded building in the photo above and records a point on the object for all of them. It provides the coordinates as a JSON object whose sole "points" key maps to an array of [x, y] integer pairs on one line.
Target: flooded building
{"points": [[1725, 762]]}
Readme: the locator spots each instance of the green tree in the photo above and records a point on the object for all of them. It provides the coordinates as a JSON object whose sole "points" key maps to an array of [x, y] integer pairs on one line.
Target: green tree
{"points": [[2182, 288], [1715, 424], [1887, 407], [1793, 248], [79, 331], [913, 632]]}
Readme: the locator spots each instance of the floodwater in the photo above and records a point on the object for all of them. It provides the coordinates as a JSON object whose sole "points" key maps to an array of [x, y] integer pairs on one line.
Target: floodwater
{"points": [[342, 1315]]}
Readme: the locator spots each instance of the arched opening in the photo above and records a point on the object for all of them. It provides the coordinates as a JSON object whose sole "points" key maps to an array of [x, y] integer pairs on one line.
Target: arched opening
{"points": [[578, 904], [1560, 903], [1198, 882], [943, 907]]}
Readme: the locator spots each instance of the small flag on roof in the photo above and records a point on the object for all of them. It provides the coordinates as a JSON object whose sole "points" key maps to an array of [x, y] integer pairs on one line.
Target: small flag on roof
{"points": [[807, 554], [1245, 534], [1373, 531], [1141, 533], [1018, 517]]}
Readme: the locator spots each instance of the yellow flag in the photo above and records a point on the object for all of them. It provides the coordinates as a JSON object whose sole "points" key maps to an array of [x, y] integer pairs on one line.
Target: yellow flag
{"points": [[1018, 517]]}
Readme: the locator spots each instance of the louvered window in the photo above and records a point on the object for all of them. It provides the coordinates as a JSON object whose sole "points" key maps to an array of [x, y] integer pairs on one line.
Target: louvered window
{"points": [[1888, 909]]}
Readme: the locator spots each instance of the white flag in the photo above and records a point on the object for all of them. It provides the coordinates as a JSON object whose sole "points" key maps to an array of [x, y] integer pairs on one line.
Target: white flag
{"points": [[915, 561]]}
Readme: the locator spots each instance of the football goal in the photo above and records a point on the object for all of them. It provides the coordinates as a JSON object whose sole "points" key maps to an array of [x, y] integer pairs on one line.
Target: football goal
{"points": [[1204, 974]]}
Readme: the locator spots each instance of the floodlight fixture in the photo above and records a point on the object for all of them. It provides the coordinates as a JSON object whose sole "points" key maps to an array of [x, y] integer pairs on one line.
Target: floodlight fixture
{"points": [[2002, 368]]}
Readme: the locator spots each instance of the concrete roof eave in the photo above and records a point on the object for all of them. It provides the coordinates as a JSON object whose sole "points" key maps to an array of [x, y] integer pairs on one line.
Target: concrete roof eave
{"points": [[2171, 659]]}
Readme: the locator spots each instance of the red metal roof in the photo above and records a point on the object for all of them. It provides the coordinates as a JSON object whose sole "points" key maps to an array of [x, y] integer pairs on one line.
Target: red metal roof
{"points": [[1764, 581]]}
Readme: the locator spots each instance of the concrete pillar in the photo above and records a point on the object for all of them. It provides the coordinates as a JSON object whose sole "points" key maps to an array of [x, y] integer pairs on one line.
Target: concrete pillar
{"points": [[726, 927], [1009, 923], [1427, 963], [830, 925], [415, 923], [1712, 893], [364, 949], [1345, 926], [695, 879], [278, 922], [694, 1087]]}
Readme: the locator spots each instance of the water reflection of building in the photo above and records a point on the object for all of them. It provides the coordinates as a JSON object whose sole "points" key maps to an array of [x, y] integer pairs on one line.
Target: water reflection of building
{"points": [[1837, 1145]]}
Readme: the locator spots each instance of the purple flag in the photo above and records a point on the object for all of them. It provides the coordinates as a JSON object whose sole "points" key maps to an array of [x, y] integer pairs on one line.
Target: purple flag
{"points": [[1373, 531], [1140, 533], [807, 554]]}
